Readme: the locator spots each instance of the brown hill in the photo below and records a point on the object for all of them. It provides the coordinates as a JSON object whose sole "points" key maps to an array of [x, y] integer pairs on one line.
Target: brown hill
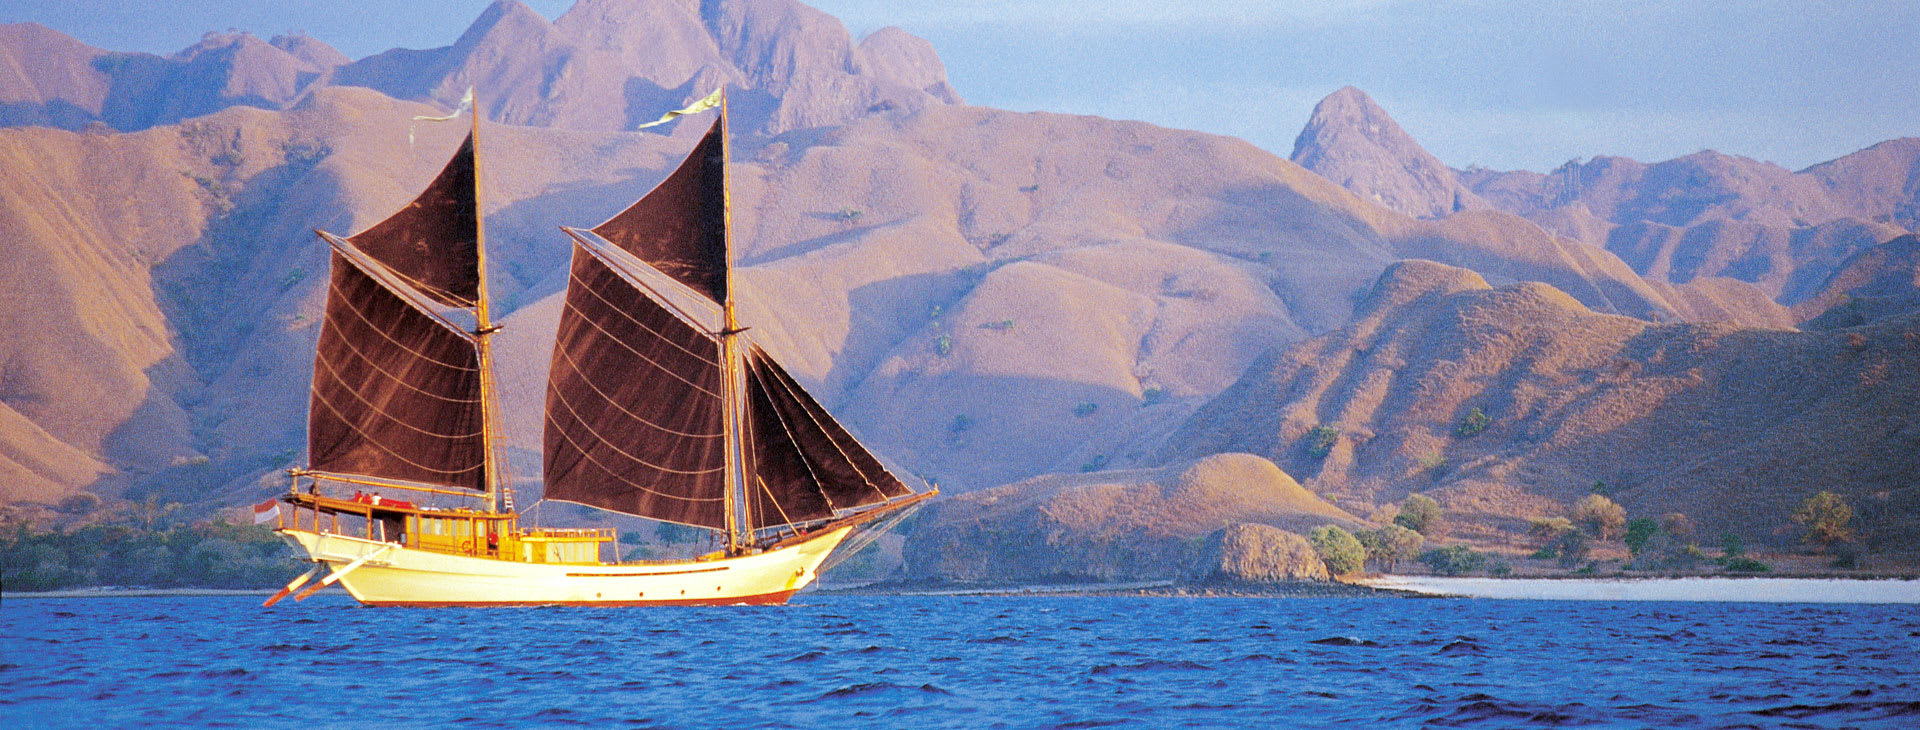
{"points": [[927, 273], [1350, 140], [1730, 426], [1879, 282], [1140, 524]]}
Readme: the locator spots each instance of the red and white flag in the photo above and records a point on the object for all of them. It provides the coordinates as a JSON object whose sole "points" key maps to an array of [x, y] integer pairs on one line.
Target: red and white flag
{"points": [[267, 511]]}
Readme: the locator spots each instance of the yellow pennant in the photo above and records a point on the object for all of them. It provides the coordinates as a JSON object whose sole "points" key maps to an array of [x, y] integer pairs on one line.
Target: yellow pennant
{"points": [[712, 101]]}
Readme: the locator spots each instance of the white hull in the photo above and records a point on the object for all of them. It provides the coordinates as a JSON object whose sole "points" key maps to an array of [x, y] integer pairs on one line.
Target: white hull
{"points": [[400, 576]]}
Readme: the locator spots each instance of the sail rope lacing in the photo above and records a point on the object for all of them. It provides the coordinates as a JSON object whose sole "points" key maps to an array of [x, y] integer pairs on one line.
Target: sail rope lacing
{"points": [[818, 483], [588, 455], [713, 360], [372, 365], [397, 343], [575, 414], [801, 399], [582, 377], [374, 442], [636, 353], [376, 408]]}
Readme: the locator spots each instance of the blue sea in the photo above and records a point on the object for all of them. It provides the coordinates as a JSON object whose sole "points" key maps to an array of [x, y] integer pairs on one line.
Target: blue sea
{"points": [[839, 661]]}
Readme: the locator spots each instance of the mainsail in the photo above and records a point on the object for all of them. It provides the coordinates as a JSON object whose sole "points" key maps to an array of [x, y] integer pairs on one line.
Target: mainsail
{"points": [[680, 227], [398, 389], [634, 404], [650, 411]]}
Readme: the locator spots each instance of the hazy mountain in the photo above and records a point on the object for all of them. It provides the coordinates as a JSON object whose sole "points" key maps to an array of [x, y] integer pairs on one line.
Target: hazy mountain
{"points": [[610, 65], [1714, 215], [1731, 426], [1705, 215], [1353, 142], [49, 79]]}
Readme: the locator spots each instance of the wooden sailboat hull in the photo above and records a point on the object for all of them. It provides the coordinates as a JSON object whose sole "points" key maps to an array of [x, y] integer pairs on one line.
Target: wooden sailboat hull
{"points": [[392, 575]]}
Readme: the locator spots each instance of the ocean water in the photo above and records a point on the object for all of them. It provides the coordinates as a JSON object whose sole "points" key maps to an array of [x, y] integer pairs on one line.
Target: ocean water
{"points": [[836, 661]]}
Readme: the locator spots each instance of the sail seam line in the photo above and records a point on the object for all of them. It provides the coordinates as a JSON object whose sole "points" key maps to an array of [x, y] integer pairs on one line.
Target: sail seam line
{"points": [[348, 387], [818, 483], [616, 475], [370, 363], [784, 385], [370, 440], [582, 377], [615, 339], [402, 345], [575, 413], [642, 325], [379, 273]]}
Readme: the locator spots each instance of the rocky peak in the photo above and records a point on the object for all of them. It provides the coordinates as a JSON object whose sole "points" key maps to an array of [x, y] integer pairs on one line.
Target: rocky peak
{"points": [[1353, 142], [908, 59]]}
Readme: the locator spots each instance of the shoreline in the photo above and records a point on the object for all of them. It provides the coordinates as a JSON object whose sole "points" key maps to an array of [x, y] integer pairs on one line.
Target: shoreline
{"points": [[1721, 589], [1693, 589]]}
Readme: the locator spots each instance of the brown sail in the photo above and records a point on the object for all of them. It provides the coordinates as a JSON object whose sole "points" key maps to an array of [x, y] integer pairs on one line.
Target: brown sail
{"points": [[680, 227], [634, 405], [434, 242], [396, 391], [805, 464]]}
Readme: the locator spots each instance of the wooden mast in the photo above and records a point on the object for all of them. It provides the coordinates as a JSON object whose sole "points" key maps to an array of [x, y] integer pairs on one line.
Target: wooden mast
{"points": [[483, 335], [739, 530]]}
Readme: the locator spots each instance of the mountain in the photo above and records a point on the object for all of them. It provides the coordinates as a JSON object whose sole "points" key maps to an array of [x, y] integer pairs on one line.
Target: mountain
{"points": [[1702, 216], [1353, 142], [611, 64], [50, 79], [1731, 426], [1715, 215], [1879, 282]]}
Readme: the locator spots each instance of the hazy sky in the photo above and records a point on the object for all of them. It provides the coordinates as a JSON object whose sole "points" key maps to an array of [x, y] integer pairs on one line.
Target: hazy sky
{"points": [[1500, 83]]}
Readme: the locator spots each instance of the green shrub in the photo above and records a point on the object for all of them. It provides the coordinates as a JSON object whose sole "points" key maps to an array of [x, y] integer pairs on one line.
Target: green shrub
{"points": [[1454, 560], [1320, 441], [1388, 546], [1472, 423], [1743, 564], [943, 345], [1085, 409], [1420, 513], [1340, 550], [1732, 545], [1825, 516], [1599, 516], [1154, 395], [1639, 532]]}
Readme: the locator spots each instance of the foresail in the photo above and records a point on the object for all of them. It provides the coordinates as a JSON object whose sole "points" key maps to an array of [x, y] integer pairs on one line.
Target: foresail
{"points": [[396, 393], [634, 413], [434, 241], [805, 464], [680, 227]]}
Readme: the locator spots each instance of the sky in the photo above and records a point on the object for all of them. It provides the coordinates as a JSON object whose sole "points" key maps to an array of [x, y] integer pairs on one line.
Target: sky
{"points": [[1506, 84]]}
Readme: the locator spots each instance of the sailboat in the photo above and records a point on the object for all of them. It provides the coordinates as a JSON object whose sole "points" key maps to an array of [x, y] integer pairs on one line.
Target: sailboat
{"points": [[659, 405]]}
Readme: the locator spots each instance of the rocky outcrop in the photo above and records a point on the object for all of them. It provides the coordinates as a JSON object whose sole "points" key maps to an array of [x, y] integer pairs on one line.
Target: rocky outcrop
{"points": [[1143, 524], [1353, 142], [1256, 553], [1731, 426]]}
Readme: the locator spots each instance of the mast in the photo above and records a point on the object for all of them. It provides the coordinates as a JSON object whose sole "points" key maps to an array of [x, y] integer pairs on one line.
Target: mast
{"points": [[483, 330], [739, 525]]}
